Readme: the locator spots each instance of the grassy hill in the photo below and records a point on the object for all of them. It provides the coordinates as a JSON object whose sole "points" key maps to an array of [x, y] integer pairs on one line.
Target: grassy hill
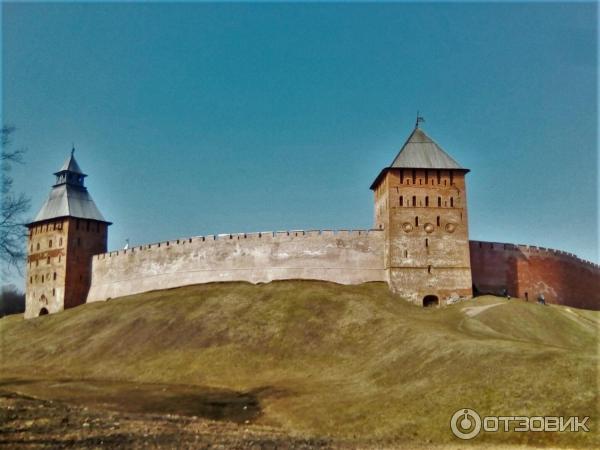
{"points": [[317, 359]]}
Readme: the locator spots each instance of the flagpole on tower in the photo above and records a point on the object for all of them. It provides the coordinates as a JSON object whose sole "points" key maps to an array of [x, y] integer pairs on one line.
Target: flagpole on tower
{"points": [[419, 120]]}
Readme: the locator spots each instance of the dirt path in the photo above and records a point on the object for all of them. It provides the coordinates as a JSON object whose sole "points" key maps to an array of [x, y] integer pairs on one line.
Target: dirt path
{"points": [[473, 311]]}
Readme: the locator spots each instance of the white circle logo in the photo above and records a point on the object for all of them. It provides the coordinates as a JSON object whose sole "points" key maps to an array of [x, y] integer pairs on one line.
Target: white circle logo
{"points": [[465, 423]]}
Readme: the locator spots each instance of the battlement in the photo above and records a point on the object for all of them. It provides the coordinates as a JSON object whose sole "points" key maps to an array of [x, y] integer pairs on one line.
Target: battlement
{"points": [[341, 256], [258, 236], [533, 250]]}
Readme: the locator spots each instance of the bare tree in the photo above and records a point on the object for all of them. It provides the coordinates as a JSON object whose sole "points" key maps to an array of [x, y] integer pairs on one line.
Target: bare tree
{"points": [[14, 206]]}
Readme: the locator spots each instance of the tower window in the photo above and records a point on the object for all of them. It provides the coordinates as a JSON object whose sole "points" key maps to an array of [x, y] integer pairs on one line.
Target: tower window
{"points": [[37, 247], [428, 269], [401, 200], [451, 177], [402, 177], [406, 253], [427, 201], [54, 277], [439, 202], [60, 242], [53, 292], [438, 221], [451, 202], [42, 278], [414, 176], [30, 279], [414, 202], [416, 221], [426, 242], [50, 243]]}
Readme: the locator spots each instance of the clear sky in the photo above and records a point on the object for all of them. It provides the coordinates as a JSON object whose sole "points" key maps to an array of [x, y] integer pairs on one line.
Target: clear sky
{"points": [[195, 119]]}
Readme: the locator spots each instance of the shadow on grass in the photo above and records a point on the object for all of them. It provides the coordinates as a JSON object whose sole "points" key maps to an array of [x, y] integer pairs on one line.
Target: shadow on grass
{"points": [[210, 403]]}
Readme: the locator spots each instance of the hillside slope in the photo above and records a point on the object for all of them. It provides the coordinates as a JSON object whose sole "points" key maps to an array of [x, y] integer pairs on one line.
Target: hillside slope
{"points": [[320, 359]]}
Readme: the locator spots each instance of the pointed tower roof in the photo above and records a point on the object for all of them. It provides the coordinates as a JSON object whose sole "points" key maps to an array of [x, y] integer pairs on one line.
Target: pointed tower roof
{"points": [[421, 152], [70, 165], [69, 197]]}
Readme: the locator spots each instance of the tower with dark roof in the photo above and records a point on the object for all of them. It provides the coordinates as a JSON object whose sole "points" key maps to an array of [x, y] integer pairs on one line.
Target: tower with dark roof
{"points": [[65, 234], [421, 204]]}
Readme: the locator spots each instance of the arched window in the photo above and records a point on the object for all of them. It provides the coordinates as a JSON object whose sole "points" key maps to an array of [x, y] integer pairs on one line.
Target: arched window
{"points": [[54, 276], [426, 242], [401, 200], [439, 202], [416, 221], [451, 202], [427, 200], [438, 221], [414, 202]]}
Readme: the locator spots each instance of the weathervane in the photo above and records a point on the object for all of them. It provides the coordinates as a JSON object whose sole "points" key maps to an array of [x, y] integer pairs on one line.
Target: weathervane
{"points": [[72, 148], [419, 120]]}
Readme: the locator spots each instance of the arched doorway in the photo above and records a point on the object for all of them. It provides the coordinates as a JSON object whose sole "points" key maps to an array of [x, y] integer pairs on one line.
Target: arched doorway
{"points": [[430, 300], [43, 312]]}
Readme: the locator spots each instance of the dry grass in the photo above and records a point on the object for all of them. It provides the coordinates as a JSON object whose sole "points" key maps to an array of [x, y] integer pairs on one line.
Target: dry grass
{"points": [[350, 362]]}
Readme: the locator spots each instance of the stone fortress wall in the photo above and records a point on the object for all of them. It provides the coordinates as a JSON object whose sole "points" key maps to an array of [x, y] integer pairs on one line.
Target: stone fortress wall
{"points": [[345, 257], [528, 271]]}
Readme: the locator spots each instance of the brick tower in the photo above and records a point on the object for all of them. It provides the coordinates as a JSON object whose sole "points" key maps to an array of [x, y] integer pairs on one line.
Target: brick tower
{"points": [[63, 237], [421, 203]]}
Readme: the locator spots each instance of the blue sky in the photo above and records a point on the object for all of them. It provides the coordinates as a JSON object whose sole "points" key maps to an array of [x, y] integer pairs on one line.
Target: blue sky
{"points": [[197, 118]]}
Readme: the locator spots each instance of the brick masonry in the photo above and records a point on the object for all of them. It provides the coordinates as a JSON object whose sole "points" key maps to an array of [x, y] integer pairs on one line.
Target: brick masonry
{"points": [[528, 271]]}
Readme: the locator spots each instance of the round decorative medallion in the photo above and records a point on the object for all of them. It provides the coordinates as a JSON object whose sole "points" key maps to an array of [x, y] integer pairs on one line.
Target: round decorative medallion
{"points": [[450, 227], [429, 227], [407, 227]]}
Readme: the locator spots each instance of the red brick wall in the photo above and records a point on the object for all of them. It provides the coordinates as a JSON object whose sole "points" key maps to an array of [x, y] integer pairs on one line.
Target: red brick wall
{"points": [[527, 271]]}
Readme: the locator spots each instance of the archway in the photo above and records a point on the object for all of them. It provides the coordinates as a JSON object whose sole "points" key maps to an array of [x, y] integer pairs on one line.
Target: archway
{"points": [[43, 312], [430, 300]]}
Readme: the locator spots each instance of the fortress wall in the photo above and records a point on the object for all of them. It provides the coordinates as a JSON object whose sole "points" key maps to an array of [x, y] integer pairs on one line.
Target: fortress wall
{"points": [[346, 257], [527, 271]]}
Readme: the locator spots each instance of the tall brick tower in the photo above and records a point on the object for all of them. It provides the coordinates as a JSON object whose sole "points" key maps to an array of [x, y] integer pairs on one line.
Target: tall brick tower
{"points": [[421, 203], [63, 237]]}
